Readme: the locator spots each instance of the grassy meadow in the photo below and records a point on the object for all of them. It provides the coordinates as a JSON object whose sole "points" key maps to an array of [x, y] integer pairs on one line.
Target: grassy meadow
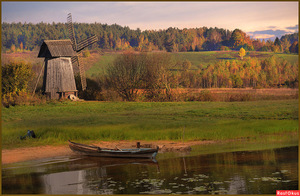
{"points": [[198, 60], [97, 62], [57, 122]]}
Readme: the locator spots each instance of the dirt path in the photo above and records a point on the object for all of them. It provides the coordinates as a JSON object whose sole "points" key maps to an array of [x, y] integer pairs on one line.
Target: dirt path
{"points": [[33, 153]]}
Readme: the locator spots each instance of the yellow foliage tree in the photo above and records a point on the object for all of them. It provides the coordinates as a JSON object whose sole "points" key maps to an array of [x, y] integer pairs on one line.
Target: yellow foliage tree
{"points": [[242, 53], [13, 48]]}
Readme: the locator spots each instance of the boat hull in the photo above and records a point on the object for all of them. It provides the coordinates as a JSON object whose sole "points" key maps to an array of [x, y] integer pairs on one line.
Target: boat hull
{"points": [[122, 153]]}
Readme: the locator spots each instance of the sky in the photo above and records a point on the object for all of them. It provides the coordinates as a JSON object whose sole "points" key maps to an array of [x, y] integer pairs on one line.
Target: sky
{"points": [[259, 19]]}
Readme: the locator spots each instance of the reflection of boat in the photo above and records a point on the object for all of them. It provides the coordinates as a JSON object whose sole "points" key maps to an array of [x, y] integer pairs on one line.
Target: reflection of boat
{"points": [[106, 152], [83, 162]]}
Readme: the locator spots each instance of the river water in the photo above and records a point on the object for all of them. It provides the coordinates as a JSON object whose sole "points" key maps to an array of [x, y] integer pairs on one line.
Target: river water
{"points": [[218, 169]]}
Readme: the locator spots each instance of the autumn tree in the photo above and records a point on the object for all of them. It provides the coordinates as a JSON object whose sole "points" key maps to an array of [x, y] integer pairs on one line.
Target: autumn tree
{"points": [[21, 46], [242, 53], [149, 71], [285, 45], [126, 74], [186, 65], [240, 39], [13, 48], [158, 78]]}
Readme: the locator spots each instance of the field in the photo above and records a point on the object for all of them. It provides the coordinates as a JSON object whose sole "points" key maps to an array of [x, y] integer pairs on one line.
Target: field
{"points": [[57, 122], [97, 62], [198, 60]]}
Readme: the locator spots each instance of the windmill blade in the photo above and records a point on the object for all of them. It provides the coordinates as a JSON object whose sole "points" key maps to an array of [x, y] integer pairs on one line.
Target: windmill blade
{"points": [[85, 43], [71, 32], [76, 60], [82, 74]]}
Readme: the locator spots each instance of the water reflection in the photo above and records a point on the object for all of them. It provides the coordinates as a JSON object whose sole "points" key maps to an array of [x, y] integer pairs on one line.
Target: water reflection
{"points": [[246, 172]]}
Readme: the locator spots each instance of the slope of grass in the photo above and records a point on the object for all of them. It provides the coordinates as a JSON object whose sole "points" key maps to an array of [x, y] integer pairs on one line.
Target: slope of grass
{"points": [[97, 63], [100, 66], [198, 60], [85, 121], [292, 58]]}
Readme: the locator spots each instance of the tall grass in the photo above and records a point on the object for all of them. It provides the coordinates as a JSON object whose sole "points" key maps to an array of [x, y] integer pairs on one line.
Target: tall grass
{"points": [[94, 121]]}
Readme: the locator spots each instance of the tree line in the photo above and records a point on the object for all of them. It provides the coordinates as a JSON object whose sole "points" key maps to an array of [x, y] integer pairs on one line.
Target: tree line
{"points": [[28, 36]]}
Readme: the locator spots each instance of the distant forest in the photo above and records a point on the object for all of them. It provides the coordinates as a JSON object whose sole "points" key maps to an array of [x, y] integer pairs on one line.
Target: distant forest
{"points": [[23, 36]]}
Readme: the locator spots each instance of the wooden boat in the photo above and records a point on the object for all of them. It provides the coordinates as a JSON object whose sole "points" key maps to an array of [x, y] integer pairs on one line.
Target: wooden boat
{"points": [[91, 150]]}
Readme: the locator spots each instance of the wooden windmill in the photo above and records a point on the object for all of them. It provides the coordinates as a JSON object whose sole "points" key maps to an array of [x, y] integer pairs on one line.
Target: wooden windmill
{"points": [[60, 55]]}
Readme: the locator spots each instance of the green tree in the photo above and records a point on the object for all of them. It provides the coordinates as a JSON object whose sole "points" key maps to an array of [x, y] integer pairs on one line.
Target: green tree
{"points": [[105, 41], [277, 42], [294, 47], [237, 81]]}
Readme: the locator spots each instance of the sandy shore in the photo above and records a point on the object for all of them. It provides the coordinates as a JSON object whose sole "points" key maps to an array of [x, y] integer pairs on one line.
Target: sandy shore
{"points": [[33, 153]]}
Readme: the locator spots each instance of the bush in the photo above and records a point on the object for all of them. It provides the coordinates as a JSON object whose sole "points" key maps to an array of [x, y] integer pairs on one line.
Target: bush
{"points": [[86, 53], [22, 98], [206, 95], [15, 77], [224, 48]]}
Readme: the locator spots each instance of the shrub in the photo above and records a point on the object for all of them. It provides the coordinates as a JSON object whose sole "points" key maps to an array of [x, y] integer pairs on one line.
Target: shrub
{"points": [[22, 98], [15, 77], [206, 95], [224, 48], [86, 53]]}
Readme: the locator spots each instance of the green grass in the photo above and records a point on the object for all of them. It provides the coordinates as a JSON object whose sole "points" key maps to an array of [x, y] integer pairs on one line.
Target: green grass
{"points": [[292, 58], [100, 66], [202, 59], [89, 121]]}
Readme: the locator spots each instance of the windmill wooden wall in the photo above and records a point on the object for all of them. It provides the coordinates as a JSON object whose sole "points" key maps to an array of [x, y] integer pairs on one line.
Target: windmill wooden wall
{"points": [[59, 81]]}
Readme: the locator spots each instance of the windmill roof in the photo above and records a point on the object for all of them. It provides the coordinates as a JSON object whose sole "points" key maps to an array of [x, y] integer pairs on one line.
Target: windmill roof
{"points": [[56, 48]]}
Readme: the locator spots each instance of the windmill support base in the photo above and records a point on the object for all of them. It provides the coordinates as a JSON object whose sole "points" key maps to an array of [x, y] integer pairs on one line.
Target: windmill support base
{"points": [[61, 95]]}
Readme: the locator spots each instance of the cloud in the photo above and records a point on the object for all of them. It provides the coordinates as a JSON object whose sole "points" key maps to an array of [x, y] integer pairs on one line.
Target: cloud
{"points": [[263, 36], [296, 27], [268, 34], [247, 16]]}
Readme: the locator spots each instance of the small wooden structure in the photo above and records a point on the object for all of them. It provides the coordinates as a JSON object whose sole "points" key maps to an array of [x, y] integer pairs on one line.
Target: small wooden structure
{"points": [[59, 81]]}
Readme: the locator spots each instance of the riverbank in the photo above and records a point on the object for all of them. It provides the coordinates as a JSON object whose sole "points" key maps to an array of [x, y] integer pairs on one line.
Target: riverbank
{"points": [[32, 153], [56, 123], [48, 151]]}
